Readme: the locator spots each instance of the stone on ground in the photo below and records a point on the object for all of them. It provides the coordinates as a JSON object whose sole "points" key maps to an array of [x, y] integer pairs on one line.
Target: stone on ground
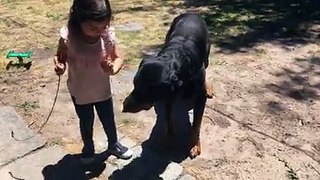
{"points": [[29, 160], [186, 177], [130, 27], [11, 149], [32, 165], [172, 172]]}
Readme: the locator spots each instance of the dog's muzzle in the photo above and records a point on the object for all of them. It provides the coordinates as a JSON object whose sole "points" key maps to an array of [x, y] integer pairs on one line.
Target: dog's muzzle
{"points": [[132, 105]]}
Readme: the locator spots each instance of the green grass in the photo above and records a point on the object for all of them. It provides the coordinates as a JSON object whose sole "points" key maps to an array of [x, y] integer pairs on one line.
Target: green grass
{"points": [[33, 24], [240, 22], [290, 172], [28, 106], [27, 25], [223, 24]]}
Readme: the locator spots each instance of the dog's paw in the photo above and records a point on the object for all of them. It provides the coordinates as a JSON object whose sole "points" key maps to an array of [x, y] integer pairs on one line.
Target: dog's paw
{"points": [[209, 91], [209, 95], [195, 146], [195, 150]]}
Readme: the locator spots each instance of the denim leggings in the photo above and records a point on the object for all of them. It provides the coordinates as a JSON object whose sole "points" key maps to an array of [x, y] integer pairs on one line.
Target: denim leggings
{"points": [[86, 116]]}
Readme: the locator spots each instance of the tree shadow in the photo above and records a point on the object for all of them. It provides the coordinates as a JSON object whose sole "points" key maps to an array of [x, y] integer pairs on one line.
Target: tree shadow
{"points": [[70, 167], [144, 8], [141, 8], [238, 25], [299, 80], [155, 157]]}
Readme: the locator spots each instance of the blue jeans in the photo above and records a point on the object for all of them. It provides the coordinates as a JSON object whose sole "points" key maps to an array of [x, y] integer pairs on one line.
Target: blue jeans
{"points": [[86, 116]]}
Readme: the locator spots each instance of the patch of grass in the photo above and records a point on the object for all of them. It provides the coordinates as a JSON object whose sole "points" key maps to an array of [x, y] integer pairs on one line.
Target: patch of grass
{"points": [[291, 173], [9, 1], [224, 24], [36, 24], [152, 15], [261, 52], [129, 47], [31, 25], [56, 16], [27, 106], [55, 141], [235, 23]]}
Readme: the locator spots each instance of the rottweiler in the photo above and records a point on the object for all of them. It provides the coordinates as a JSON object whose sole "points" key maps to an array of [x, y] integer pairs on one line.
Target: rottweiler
{"points": [[177, 71]]}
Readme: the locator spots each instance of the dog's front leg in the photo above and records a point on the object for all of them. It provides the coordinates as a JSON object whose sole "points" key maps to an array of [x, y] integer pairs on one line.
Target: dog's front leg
{"points": [[170, 120], [199, 106], [169, 123]]}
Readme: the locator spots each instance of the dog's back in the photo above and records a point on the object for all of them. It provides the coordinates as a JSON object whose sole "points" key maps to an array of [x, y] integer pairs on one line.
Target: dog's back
{"points": [[190, 26]]}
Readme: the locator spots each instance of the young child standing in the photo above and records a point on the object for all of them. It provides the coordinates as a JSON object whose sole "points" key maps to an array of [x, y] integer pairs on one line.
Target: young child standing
{"points": [[88, 47]]}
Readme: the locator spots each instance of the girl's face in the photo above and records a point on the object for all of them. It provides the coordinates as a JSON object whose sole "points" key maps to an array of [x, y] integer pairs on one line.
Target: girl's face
{"points": [[94, 28]]}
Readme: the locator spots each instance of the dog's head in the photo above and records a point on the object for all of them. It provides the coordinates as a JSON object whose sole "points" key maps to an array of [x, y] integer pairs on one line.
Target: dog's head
{"points": [[154, 81]]}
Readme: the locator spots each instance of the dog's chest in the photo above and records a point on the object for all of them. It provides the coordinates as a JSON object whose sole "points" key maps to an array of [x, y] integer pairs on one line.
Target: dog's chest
{"points": [[186, 91]]}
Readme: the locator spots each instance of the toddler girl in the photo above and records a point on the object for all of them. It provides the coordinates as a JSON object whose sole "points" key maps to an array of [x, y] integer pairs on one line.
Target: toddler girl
{"points": [[88, 47]]}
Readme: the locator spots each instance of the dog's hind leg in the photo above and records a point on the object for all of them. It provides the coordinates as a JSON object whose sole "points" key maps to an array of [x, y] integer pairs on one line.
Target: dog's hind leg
{"points": [[208, 85], [199, 106]]}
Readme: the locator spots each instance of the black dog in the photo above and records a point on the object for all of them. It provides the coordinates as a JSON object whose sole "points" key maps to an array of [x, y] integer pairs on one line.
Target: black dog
{"points": [[177, 71]]}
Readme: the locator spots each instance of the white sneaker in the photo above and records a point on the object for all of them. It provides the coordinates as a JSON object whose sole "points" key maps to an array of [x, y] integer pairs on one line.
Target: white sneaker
{"points": [[120, 151]]}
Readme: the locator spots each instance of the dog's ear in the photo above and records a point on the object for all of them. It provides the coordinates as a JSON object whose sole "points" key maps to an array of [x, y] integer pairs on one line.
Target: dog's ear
{"points": [[149, 72], [151, 68]]}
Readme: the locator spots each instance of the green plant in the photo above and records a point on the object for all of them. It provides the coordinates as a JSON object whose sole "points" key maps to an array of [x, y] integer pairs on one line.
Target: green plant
{"points": [[27, 106]]}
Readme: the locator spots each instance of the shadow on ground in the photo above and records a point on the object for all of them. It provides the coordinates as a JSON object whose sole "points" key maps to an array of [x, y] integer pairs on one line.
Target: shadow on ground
{"points": [[70, 167], [19, 65], [299, 80], [155, 157], [176, 148], [250, 127], [238, 25]]}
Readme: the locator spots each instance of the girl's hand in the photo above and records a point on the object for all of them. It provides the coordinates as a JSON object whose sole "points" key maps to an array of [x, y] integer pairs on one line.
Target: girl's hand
{"points": [[59, 67], [107, 67]]}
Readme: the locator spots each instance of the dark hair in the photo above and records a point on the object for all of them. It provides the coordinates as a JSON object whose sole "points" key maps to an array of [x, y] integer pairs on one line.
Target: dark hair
{"points": [[84, 10]]}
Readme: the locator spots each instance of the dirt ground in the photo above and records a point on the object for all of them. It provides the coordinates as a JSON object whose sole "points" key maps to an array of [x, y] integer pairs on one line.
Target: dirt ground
{"points": [[263, 122]]}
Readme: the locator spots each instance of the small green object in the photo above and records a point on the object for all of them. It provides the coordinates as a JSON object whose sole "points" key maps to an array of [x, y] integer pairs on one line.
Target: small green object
{"points": [[26, 54], [20, 56]]}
